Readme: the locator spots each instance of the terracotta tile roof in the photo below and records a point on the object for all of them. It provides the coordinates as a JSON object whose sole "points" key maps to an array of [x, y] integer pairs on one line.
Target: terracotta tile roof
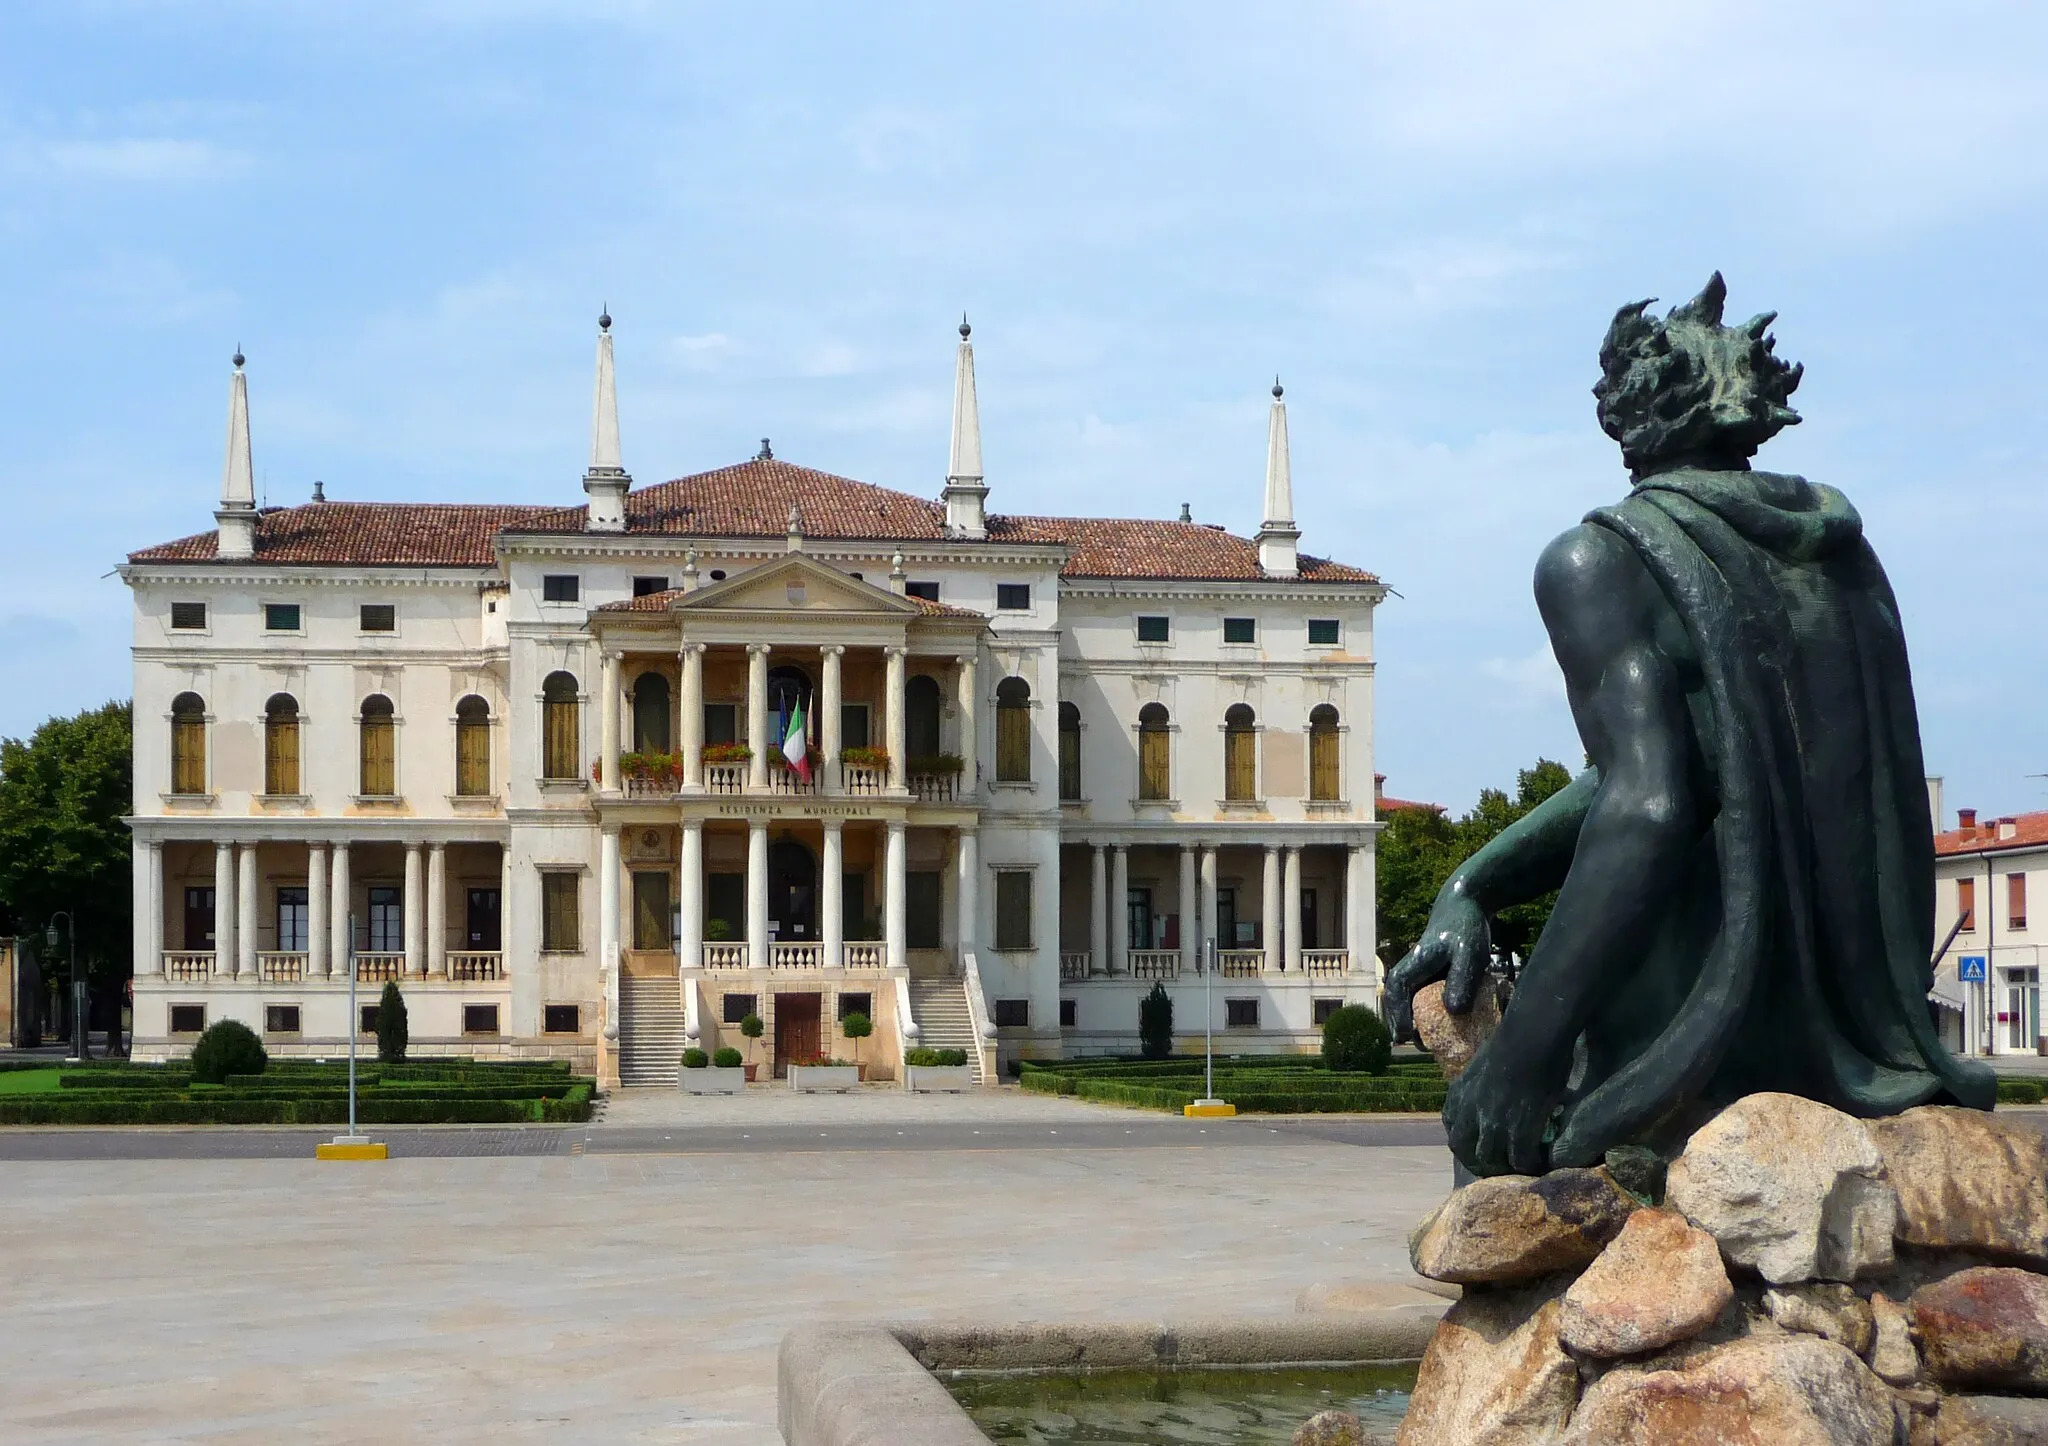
{"points": [[365, 534], [1132, 547], [658, 602], [2029, 830], [752, 500]]}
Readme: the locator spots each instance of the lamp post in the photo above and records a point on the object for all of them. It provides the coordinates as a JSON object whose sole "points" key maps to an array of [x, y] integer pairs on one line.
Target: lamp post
{"points": [[77, 984]]}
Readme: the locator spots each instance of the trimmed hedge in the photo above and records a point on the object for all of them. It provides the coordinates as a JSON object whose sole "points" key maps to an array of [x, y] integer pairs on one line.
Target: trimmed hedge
{"points": [[2019, 1091], [1268, 1086], [923, 1058], [233, 1108]]}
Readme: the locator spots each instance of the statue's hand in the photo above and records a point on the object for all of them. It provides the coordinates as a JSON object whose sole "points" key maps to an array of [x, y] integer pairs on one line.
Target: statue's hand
{"points": [[1456, 947], [1495, 1114]]}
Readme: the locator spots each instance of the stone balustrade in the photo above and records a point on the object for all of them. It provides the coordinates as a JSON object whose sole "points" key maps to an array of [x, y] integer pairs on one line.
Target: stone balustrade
{"points": [[725, 954], [725, 778], [1155, 963], [187, 965], [935, 787], [1325, 961], [796, 954], [866, 955], [378, 966], [475, 966], [1074, 963], [1240, 963], [864, 782], [280, 967]]}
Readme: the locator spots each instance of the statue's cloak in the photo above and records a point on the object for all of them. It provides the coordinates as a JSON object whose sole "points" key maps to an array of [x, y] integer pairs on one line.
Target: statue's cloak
{"points": [[1796, 956]]}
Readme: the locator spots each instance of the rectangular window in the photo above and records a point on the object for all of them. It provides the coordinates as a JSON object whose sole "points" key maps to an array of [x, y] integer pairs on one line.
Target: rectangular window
{"points": [[561, 1019], [188, 615], [648, 586], [1013, 596], [1013, 1014], [1320, 1010], [1153, 630], [735, 1007], [379, 618], [1240, 630], [856, 1004], [853, 725], [387, 919], [561, 924], [281, 617], [188, 1019], [650, 909], [561, 587], [280, 1019], [725, 906], [1240, 1014], [291, 920], [1966, 904], [1069, 1014], [853, 907], [479, 1019], [1013, 909], [721, 723], [2016, 900], [929, 591], [921, 894], [1324, 633], [366, 1019]]}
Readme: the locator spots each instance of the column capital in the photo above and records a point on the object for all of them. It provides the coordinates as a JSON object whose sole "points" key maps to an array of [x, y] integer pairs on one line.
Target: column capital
{"points": [[760, 648], [897, 825], [437, 845], [612, 655], [688, 648], [832, 825], [832, 650], [895, 650]]}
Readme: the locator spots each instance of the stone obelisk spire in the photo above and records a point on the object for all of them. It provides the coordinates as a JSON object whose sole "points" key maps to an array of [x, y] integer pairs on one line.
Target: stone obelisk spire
{"points": [[966, 496], [605, 480], [1277, 533], [237, 514]]}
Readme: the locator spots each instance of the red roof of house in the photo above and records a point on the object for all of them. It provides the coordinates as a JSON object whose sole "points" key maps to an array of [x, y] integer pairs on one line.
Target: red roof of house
{"points": [[1384, 805], [658, 602], [751, 499], [2029, 830]]}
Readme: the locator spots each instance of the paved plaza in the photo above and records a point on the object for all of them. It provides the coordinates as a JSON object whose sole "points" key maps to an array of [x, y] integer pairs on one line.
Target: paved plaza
{"points": [[631, 1283]]}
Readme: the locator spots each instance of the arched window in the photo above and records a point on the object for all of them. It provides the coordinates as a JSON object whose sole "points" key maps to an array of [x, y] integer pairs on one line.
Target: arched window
{"points": [[377, 770], [1325, 783], [1070, 751], [473, 747], [650, 713], [1155, 752], [921, 716], [281, 744], [1240, 753], [188, 743], [1013, 731], [561, 749]]}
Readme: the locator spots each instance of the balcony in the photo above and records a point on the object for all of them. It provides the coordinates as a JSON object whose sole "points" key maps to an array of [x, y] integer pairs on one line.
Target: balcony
{"points": [[661, 787], [725, 778], [476, 967], [1155, 963], [864, 782], [1240, 963], [188, 966], [1074, 963], [870, 955], [375, 968], [280, 968], [799, 954], [935, 787], [786, 781], [725, 955], [1322, 963]]}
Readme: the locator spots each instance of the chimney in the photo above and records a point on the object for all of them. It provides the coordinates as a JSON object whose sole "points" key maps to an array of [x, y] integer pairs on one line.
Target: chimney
{"points": [[1966, 818], [2008, 828]]}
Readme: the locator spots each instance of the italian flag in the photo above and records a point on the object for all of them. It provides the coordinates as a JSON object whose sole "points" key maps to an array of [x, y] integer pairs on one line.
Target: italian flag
{"points": [[793, 742]]}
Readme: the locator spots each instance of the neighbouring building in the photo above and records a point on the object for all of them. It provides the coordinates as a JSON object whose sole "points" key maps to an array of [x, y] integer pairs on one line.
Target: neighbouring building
{"points": [[1987, 977], [597, 782]]}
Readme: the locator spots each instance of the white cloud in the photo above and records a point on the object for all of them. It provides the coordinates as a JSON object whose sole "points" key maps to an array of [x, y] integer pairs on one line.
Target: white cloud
{"points": [[160, 160], [1530, 681]]}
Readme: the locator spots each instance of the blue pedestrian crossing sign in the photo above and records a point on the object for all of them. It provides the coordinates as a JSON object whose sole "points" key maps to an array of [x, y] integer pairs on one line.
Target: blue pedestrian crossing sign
{"points": [[1970, 969]]}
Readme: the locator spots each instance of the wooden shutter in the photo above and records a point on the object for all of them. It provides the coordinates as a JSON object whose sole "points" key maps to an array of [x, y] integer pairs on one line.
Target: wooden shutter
{"points": [[1013, 743], [1966, 903], [379, 773], [281, 756], [188, 755], [1070, 762], [472, 759], [560, 929], [1323, 783], [1240, 764], [1013, 910], [559, 742], [1155, 763], [2016, 900]]}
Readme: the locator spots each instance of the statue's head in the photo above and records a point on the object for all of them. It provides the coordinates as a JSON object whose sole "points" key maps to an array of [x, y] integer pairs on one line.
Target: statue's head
{"points": [[1688, 387]]}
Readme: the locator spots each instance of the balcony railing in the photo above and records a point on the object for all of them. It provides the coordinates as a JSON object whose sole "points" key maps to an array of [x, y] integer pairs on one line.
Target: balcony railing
{"points": [[474, 966], [934, 787], [1155, 963], [864, 782], [1325, 961], [725, 955], [662, 787], [377, 967], [188, 964], [1074, 963], [798, 954], [1240, 963], [725, 777], [866, 954], [785, 780], [280, 968]]}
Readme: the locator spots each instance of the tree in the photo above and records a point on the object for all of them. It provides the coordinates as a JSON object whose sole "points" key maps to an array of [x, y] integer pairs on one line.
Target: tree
{"points": [[1155, 1023], [227, 1047], [393, 1029], [856, 1027], [1355, 1041]]}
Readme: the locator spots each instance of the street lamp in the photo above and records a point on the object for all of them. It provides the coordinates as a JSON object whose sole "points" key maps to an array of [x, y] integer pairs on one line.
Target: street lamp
{"points": [[77, 984]]}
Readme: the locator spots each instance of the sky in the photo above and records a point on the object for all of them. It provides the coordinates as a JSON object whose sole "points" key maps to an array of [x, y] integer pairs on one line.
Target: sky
{"points": [[1420, 217]]}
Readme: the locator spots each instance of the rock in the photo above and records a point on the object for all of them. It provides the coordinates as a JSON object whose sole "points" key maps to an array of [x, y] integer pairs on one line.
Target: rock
{"points": [[1454, 1038], [1639, 1170], [1789, 1187], [1772, 1390], [1985, 1327], [1832, 1312], [1989, 1421], [1967, 1180], [1660, 1281], [1494, 1374], [1330, 1428], [1892, 1354], [1517, 1227]]}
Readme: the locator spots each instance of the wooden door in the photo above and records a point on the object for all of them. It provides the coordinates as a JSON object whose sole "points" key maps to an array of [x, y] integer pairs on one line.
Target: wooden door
{"points": [[198, 918], [482, 929], [798, 1030]]}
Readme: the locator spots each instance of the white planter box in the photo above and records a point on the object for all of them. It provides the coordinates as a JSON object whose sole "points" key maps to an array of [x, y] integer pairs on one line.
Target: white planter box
{"points": [[811, 1078], [930, 1077], [711, 1080]]}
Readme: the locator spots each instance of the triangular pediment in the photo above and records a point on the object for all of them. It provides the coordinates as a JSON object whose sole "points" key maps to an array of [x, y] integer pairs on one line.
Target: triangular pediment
{"points": [[796, 584]]}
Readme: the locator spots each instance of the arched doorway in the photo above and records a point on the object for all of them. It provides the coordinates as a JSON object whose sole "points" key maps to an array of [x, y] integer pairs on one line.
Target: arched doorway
{"points": [[792, 891]]}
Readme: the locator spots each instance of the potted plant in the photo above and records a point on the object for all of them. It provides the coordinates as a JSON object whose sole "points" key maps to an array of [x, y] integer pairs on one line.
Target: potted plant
{"points": [[818, 1075], [727, 753], [702, 1075], [926, 1070], [857, 1027], [860, 756], [651, 766], [751, 1027], [938, 763]]}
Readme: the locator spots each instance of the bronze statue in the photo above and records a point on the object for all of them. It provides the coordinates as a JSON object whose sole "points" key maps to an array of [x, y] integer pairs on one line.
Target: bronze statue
{"points": [[1747, 865]]}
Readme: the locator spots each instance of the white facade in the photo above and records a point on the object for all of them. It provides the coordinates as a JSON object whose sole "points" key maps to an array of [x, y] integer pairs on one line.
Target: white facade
{"points": [[503, 796], [1986, 876]]}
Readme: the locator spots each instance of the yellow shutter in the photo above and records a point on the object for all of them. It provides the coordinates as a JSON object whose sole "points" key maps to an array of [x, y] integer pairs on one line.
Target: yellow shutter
{"points": [[188, 755], [379, 766], [281, 756], [1240, 764], [1155, 763], [1323, 783], [560, 740], [473, 759], [1013, 744]]}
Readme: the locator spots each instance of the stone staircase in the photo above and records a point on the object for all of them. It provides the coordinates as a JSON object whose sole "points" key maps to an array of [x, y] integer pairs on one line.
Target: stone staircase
{"points": [[940, 1008], [650, 1031]]}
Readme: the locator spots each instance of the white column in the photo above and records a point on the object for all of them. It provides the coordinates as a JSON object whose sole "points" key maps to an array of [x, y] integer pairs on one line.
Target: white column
{"points": [[970, 742], [608, 724], [832, 887], [1119, 902], [342, 902], [1191, 935], [317, 925], [1290, 904], [894, 931], [690, 947], [757, 892], [224, 910], [149, 908], [1209, 899], [692, 730], [245, 912], [415, 914], [892, 715], [828, 725], [757, 727], [1358, 914], [437, 911], [608, 899], [1098, 902], [1270, 911], [969, 906]]}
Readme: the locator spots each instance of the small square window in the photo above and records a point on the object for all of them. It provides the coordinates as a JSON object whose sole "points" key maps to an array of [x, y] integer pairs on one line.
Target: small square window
{"points": [[735, 1008], [280, 1019], [1324, 633], [1240, 1014], [1240, 630], [648, 586], [188, 1019], [561, 1019], [1013, 1014], [281, 617], [856, 1004], [1069, 1013], [366, 1019], [561, 587], [188, 615], [1322, 1009], [1153, 630], [1013, 596], [479, 1019], [379, 618], [929, 591]]}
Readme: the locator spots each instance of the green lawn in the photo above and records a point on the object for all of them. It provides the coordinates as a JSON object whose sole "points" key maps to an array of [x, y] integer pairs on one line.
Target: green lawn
{"points": [[29, 1081]]}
